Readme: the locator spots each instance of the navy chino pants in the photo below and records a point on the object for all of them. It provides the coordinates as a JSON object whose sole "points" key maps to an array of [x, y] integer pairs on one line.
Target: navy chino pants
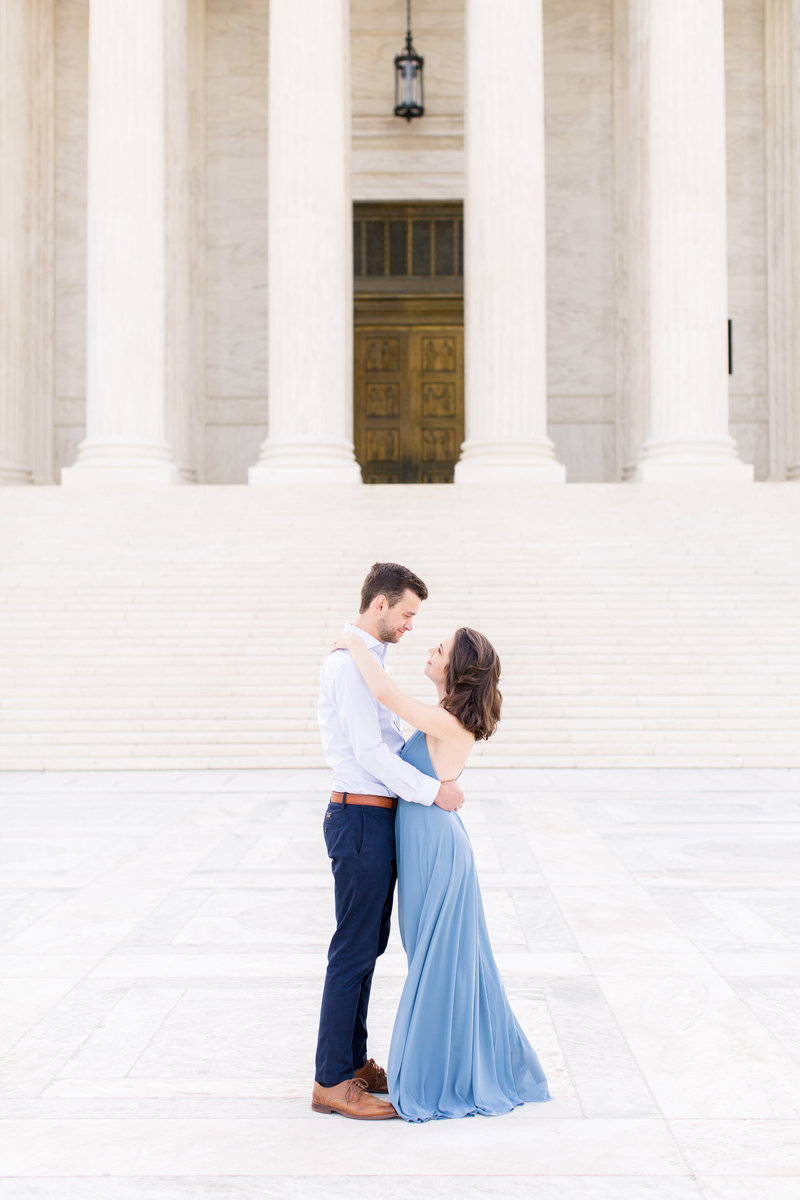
{"points": [[360, 843]]}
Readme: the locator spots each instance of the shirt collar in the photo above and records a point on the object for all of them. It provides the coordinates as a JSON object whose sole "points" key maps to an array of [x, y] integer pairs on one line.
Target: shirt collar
{"points": [[369, 641]]}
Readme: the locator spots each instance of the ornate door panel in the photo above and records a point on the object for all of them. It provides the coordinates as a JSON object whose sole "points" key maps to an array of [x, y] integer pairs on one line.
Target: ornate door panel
{"points": [[381, 407], [409, 403], [437, 403]]}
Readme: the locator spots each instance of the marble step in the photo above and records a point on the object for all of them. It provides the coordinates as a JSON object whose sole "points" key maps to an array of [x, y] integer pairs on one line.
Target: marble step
{"points": [[651, 626], [517, 717], [628, 690], [694, 757]]}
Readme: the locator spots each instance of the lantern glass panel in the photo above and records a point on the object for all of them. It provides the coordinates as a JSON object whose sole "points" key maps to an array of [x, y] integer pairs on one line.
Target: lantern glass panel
{"points": [[408, 83], [409, 77]]}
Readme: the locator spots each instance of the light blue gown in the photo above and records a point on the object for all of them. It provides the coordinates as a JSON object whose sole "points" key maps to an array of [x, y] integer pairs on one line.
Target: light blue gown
{"points": [[457, 1048]]}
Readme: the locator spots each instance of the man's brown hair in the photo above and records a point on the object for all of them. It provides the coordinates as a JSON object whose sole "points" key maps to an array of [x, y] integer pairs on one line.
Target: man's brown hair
{"points": [[390, 580]]}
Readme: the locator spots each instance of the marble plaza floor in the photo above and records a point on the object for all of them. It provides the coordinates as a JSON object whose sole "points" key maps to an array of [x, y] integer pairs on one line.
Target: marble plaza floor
{"points": [[164, 939]]}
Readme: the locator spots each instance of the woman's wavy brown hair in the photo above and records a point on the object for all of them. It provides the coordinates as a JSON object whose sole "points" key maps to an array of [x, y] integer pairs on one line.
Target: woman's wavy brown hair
{"points": [[471, 678]]}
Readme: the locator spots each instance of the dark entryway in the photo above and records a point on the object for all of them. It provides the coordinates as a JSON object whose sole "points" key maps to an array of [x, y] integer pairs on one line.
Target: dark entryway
{"points": [[409, 341]]}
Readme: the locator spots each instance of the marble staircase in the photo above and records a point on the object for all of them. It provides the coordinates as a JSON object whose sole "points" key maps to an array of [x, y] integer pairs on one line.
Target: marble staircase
{"points": [[179, 628]]}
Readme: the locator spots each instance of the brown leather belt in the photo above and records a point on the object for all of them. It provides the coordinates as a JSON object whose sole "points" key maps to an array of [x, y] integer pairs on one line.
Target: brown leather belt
{"points": [[352, 798]]}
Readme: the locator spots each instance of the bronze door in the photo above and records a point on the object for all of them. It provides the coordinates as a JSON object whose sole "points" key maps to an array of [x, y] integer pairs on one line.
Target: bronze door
{"points": [[409, 402]]}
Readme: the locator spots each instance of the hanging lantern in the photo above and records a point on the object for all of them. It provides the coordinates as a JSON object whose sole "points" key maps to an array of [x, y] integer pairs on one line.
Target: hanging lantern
{"points": [[408, 78]]}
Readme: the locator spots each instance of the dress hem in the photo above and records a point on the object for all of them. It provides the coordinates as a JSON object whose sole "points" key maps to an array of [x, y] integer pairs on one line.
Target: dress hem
{"points": [[473, 1112]]}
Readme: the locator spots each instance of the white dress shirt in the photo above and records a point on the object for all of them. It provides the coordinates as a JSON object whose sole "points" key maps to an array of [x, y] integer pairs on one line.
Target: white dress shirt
{"points": [[361, 739]]}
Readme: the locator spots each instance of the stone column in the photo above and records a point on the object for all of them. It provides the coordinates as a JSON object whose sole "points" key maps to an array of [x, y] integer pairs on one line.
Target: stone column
{"points": [[127, 272], [41, 236], [781, 352], [15, 131], [504, 248], [783, 229], [310, 267], [631, 276], [185, 352], [687, 425], [193, 421]]}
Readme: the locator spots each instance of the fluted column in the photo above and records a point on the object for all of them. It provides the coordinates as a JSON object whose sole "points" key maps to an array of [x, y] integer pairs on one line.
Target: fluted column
{"points": [[310, 265], [15, 119], [631, 275], [185, 352], [783, 142], [504, 247], [127, 246], [41, 233], [686, 201]]}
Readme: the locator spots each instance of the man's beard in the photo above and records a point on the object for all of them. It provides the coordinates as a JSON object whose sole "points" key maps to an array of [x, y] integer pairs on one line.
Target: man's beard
{"points": [[387, 634]]}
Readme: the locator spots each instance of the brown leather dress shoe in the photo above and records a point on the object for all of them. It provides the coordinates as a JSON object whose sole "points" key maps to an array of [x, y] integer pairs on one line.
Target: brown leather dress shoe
{"points": [[351, 1099], [374, 1077]]}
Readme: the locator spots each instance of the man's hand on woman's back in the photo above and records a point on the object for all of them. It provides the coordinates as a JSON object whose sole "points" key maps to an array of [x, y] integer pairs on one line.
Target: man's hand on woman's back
{"points": [[450, 796]]}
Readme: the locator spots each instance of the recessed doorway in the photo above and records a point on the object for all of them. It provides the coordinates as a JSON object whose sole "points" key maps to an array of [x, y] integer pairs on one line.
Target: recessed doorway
{"points": [[409, 341]]}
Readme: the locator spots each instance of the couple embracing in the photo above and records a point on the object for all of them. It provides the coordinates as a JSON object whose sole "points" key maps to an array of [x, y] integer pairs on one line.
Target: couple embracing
{"points": [[456, 1048]]}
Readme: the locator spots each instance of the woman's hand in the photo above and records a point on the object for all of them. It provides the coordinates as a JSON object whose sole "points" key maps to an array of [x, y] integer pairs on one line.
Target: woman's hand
{"points": [[346, 641]]}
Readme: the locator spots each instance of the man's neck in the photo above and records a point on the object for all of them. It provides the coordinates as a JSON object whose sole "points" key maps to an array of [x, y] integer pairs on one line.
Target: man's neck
{"points": [[363, 621]]}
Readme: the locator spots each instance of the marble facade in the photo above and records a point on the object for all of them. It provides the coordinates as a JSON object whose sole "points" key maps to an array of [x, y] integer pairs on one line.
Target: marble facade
{"points": [[218, 368]]}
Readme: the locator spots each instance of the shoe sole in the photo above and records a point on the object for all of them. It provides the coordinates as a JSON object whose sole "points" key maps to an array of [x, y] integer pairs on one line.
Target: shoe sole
{"points": [[326, 1108]]}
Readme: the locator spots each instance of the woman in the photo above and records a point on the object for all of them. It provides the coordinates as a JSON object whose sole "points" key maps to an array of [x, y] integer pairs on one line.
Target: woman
{"points": [[456, 1048]]}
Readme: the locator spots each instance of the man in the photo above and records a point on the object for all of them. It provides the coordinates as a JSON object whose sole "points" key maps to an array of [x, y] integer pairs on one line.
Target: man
{"points": [[362, 740]]}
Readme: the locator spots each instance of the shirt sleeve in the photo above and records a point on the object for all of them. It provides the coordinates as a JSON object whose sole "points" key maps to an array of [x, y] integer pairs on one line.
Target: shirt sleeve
{"points": [[355, 708]]}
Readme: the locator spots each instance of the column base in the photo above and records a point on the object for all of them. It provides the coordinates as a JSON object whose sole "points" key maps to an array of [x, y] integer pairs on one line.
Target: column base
{"points": [[509, 462], [103, 463], [793, 474], [305, 462], [14, 473], [689, 460]]}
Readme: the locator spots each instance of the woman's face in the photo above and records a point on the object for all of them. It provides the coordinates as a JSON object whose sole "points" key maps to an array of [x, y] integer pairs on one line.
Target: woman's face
{"points": [[438, 658]]}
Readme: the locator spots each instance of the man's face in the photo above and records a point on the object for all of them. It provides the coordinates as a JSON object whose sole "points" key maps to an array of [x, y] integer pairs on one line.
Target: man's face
{"points": [[399, 619]]}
